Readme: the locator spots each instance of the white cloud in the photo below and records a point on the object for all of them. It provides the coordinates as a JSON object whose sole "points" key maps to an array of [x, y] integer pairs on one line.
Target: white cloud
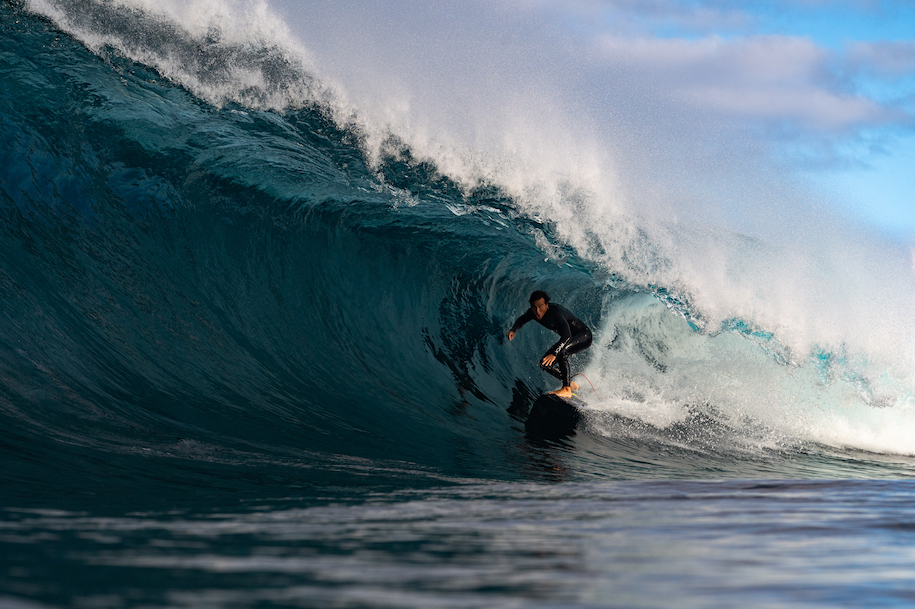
{"points": [[757, 59], [811, 106], [884, 58], [645, 15], [761, 77]]}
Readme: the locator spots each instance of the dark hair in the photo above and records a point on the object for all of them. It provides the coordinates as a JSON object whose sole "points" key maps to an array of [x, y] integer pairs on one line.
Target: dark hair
{"points": [[538, 295]]}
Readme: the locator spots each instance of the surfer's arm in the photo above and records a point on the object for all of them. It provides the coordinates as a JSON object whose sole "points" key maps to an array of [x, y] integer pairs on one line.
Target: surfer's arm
{"points": [[528, 316]]}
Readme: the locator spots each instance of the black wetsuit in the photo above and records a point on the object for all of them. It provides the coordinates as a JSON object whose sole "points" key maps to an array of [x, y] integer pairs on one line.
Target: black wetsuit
{"points": [[574, 336]]}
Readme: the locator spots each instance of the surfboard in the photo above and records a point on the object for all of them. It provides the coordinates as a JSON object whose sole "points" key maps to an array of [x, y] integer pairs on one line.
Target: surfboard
{"points": [[554, 417]]}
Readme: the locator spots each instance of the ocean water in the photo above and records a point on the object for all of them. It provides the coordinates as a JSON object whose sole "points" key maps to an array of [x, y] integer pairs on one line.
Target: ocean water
{"points": [[252, 352]]}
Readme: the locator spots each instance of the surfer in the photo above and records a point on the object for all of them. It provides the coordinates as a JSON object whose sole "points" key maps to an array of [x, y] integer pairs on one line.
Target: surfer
{"points": [[574, 337]]}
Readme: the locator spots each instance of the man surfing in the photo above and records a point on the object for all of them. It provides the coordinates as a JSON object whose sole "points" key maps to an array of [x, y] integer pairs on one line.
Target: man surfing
{"points": [[574, 337]]}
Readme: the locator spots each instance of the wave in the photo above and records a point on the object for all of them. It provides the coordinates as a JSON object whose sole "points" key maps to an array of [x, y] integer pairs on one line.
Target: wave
{"points": [[216, 274]]}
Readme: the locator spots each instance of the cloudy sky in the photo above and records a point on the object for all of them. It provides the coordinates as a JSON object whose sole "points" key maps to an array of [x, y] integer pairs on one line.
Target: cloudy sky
{"points": [[712, 102], [832, 83]]}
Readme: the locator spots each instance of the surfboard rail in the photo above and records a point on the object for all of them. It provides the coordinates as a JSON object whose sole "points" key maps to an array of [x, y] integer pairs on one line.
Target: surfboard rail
{"points": [[553, 417]]}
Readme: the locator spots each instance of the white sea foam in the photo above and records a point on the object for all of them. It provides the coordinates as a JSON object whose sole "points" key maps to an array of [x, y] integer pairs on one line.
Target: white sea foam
{"points": [[651, 366]]}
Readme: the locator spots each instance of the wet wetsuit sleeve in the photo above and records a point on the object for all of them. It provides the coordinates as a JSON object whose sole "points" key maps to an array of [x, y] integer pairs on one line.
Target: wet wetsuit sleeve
{"points": [[528, 316]]}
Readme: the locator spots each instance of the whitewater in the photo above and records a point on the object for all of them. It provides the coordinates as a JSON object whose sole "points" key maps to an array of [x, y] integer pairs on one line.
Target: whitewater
{"points": [[257, 263]]}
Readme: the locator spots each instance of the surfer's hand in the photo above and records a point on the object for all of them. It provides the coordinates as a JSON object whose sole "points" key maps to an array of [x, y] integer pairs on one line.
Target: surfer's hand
{"points": [[548, 360], [511, 335]]}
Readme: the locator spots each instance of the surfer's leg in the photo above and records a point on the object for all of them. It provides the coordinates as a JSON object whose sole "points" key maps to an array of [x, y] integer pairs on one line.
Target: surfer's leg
{"points": [[564, 372], [560, 366], [577, 344], [560, 369], [554, 368]]}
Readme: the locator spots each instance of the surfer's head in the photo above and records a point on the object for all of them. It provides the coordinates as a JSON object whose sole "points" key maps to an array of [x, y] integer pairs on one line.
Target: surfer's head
{"points": [[539, 303]]}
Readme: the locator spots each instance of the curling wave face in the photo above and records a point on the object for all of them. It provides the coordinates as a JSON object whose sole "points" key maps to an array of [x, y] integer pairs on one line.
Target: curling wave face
{"points": [[223, 293]]}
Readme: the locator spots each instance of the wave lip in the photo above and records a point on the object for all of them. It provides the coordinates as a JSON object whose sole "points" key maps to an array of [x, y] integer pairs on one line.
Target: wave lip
{"points": [[236, 52]]}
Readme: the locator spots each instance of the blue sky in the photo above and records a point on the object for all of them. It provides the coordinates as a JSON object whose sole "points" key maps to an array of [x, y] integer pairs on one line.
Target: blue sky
{"points": [[862, 53], [880, 184]]}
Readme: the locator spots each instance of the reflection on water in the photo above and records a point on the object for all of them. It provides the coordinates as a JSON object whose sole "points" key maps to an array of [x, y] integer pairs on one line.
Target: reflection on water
{"points": [[696, 544]]}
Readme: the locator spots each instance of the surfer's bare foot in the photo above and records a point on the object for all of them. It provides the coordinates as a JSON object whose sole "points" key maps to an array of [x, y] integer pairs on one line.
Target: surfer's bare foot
{"points": [[574, 386], [565, 392]]}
